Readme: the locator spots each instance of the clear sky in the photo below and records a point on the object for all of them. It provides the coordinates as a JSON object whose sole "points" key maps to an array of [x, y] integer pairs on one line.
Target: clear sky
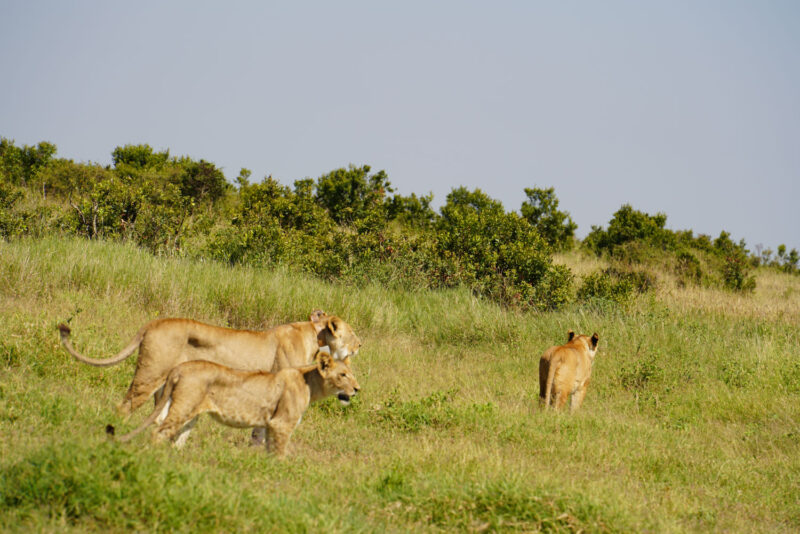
{"points": [[691, 108]]}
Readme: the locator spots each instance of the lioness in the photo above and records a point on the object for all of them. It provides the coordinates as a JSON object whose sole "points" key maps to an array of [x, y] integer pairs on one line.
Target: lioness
{"points": [[565, 370], [165, 343], [246, 398]]}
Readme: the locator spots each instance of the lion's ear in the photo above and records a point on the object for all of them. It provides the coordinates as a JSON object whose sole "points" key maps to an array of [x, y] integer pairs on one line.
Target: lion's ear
{"points": [[324, 362], [346, 361], [595, 339], [317, 319], [570, 335], [334, 325]]}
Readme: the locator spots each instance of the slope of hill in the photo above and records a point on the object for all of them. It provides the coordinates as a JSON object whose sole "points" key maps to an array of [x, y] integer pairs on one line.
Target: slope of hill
{"points": [[691, 423]]}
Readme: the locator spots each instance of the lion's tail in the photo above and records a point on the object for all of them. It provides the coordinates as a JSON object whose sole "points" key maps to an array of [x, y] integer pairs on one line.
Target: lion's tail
{"points": [[551, 373], [172, 379], [114, 360]]}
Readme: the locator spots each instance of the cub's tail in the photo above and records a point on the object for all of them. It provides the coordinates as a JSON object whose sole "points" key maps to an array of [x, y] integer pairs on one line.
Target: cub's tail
{"points": [[172, 379]]}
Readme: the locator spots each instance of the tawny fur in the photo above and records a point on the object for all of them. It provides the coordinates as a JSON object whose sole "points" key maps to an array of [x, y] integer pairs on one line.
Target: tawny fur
{"points": [[246, 399], [166, 343], [565, 370]]}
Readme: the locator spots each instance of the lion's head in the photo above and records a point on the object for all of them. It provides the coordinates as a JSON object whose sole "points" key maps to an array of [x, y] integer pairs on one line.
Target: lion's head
{"points": [[337, 377], [337, 335]]}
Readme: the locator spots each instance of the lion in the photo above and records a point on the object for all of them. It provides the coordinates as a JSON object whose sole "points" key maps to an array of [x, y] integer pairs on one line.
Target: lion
{"points": [[246, 399], [165, 343], [565, 370]]}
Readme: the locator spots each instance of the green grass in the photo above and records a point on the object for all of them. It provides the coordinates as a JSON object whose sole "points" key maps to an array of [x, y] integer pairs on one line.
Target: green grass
{"points": [[691, 424]]}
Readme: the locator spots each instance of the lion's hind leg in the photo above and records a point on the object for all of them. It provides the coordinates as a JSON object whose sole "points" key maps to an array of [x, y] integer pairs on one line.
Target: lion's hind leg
{"points": [[577, 397], [561, 398], [138, 393]]}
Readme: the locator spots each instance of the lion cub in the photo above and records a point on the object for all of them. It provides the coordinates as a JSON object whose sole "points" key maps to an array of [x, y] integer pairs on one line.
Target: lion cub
{"points": [[564, 370], [246, 399]]}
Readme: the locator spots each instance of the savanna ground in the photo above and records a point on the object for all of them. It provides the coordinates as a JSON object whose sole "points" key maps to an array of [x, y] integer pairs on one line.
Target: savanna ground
{"points": [[691, 423]]}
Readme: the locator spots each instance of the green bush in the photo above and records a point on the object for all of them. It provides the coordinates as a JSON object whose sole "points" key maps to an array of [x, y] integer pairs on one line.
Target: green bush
{"points": [[351, 194], [541, 211], [628, 225], [634, 237], [736, 266], [9, 222], [496, 253], [20, 165], [412, 211], [474, 243]]}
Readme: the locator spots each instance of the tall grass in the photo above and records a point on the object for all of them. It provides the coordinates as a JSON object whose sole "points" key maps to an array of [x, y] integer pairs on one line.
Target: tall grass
{"points": [[691, 421]]}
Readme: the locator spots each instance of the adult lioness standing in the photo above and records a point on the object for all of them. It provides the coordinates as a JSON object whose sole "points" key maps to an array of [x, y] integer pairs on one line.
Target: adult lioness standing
{"points": [[165, 343], [565, 370]]}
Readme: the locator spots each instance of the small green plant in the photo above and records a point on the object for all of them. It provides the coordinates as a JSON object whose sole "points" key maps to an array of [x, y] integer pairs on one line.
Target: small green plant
{"points": [[10, 355], [435, 410], [640, 373], [688, 268], [736, 274], [736, 373]]}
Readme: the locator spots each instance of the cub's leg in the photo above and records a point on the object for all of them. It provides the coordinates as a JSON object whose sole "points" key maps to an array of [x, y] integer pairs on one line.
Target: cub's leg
{"points": [[280, 429], [561, 396], [183, 434], [562, 384], [187, 404], [259, 436], [279, 434], [157, 398], [577, 397]]}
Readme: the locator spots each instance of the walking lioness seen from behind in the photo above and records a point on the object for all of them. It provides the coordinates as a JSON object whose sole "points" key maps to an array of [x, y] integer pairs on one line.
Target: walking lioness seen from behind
{"points": [[246, 398], [565, 370], [166, 343]]}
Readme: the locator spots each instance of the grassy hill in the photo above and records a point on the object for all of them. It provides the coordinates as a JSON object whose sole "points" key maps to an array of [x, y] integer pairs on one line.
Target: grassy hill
{"points": [[691, 423]]}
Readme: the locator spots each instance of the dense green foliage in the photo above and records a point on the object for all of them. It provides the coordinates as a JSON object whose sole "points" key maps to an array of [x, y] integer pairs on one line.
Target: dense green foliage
{"points": [[350, 226], [635, 237], [344, 226], [541, 210]]}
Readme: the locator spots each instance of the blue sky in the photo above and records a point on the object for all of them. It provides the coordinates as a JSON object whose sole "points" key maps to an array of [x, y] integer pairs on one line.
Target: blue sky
{"points": [[691, 108]]}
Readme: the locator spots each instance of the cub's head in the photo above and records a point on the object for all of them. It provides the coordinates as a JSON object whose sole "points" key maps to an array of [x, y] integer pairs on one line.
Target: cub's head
{"points": [[337, 335], [584, 342], [337, 377]]}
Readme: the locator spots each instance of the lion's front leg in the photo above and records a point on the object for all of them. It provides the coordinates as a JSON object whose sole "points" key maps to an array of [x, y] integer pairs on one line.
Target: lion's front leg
{"points": [[280, 432]]}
